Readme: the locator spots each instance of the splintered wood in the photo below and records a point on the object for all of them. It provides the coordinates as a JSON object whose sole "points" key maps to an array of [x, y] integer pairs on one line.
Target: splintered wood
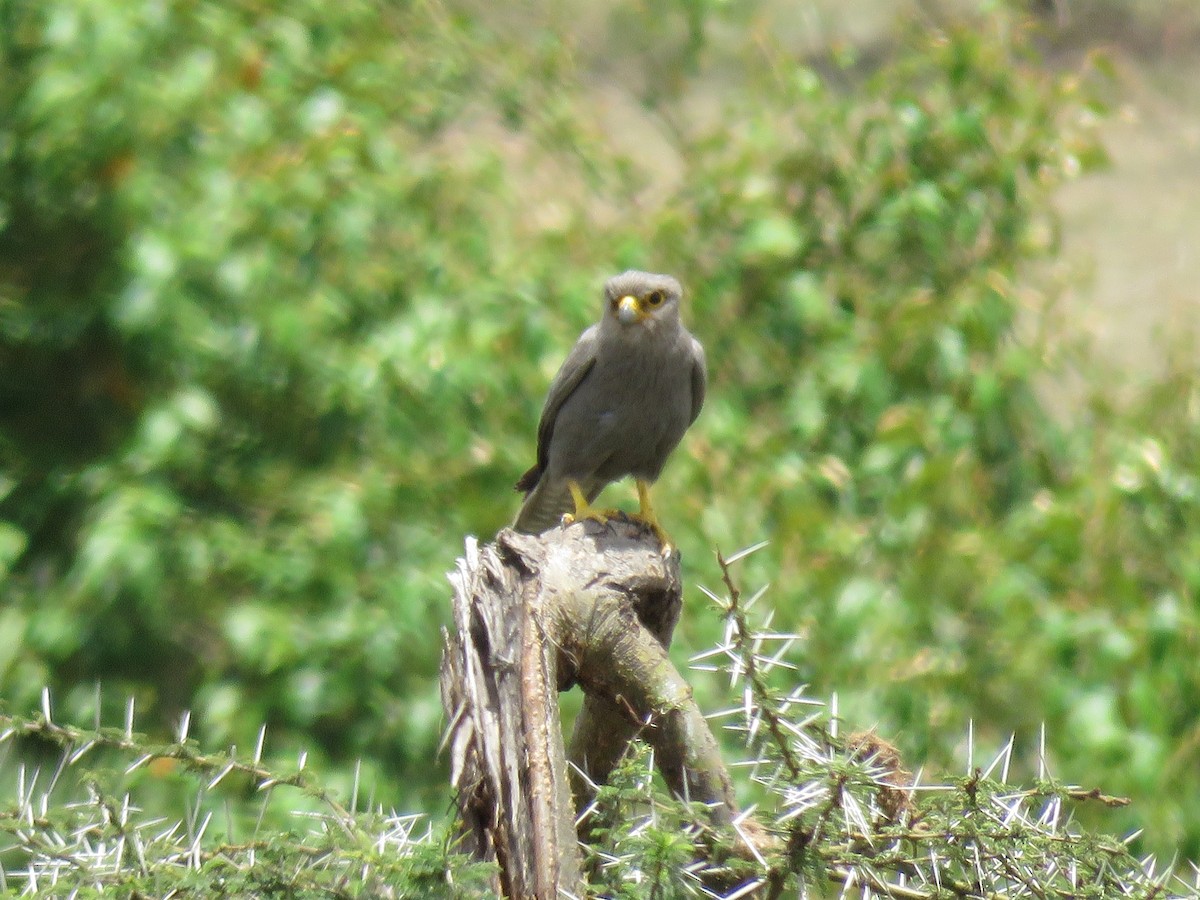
{"points": [[593, 605]]}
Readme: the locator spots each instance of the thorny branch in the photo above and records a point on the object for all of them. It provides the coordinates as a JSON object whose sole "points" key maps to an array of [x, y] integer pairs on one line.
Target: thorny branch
{"points": [[975, 838], [103, 840]]}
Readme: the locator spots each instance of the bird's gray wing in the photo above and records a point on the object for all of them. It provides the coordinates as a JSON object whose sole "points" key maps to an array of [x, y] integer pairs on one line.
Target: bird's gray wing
{"points": [[571, 373], [699, 379], [545, 502]]}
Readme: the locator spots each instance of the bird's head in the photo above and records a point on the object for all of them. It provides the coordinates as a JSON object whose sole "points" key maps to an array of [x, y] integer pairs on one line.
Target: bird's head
{"points": [[641, 298]]}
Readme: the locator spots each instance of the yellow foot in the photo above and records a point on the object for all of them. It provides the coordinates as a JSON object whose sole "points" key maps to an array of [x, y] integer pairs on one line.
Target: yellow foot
{"points": [[584, 509], [647, 516]]}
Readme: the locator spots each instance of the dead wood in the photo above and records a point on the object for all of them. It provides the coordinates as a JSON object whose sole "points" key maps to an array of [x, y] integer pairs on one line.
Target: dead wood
{"points": [[593, 605]]}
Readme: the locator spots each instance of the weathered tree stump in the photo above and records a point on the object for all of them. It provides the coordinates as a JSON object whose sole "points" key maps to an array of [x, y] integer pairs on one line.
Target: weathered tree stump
{"points": [[593, 605]]}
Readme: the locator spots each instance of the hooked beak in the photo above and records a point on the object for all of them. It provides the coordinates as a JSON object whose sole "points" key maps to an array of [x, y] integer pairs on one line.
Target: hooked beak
{"points": [[629, 310]]}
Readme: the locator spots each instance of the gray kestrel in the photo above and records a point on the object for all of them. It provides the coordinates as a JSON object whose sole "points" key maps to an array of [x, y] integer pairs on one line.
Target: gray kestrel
{"points": [[619, 405]]}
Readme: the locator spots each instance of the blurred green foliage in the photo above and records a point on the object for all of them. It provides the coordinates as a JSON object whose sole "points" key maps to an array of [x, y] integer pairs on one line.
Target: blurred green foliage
{"points": [[281, 291]]}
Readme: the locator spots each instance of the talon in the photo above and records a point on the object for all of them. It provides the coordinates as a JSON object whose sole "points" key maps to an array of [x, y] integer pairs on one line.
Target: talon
{"points": [[647, 516], [583, 509]]}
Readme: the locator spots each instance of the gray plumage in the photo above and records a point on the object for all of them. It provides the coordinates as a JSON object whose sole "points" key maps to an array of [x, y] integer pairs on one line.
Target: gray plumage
{"points": [[621, 402]]}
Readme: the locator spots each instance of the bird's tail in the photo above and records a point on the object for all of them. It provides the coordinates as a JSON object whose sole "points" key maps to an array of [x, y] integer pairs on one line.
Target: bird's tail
{"points": [[544, 506]]}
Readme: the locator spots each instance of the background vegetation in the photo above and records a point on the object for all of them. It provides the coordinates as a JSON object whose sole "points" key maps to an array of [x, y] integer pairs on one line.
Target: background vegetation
{"points": [[281, 291]]}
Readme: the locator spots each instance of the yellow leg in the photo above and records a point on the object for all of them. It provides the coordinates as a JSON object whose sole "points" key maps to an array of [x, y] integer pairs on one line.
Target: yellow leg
{"points": [[583, 509], [646, 514]]}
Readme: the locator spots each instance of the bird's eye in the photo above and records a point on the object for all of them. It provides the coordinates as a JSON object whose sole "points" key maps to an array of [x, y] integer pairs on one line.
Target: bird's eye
{"points": [[655, 298]]}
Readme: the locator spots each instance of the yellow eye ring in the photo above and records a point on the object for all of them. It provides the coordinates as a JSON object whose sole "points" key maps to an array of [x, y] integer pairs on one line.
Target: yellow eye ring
{"points": [[655, 298]]}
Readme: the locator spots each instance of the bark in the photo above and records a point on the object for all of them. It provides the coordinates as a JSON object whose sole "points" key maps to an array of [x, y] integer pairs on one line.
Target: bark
{"points": [[593, 605]]}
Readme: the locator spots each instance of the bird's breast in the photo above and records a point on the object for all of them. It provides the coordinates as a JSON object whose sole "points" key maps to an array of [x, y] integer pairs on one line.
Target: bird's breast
{"points": [[626, 416], [639, 401]]}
